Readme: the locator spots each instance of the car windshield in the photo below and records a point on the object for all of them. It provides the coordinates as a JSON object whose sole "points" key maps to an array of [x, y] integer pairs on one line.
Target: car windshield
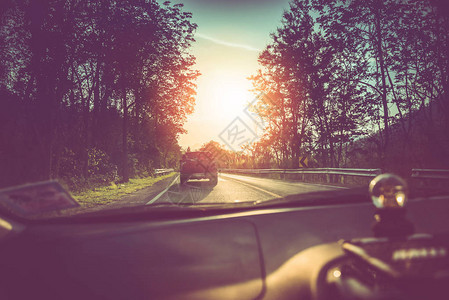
{"points": [[113, 105]]}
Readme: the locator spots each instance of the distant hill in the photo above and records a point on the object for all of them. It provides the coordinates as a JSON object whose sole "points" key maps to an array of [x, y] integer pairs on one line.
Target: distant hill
{"points": [[421, 141]]}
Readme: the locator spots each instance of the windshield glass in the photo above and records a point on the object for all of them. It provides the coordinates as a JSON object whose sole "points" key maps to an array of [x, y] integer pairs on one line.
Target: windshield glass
{"points": [[118, 104]]}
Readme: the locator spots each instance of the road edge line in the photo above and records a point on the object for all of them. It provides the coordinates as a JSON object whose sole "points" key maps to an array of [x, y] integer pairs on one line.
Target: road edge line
{"points": [[163, 192]]}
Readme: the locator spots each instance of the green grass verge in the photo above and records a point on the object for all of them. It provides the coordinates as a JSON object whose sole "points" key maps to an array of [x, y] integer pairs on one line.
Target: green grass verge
{"points": [[113, 192]]}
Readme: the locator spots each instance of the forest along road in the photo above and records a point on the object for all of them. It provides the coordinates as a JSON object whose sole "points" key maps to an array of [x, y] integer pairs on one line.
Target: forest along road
{"points": [[233, 189]]}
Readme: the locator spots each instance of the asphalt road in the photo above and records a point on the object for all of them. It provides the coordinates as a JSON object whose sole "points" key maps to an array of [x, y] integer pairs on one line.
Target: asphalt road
{"points": [[232, 189]]}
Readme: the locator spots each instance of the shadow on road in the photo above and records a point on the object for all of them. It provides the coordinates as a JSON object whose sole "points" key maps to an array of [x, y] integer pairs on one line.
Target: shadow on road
{"points": [[190, 192]]}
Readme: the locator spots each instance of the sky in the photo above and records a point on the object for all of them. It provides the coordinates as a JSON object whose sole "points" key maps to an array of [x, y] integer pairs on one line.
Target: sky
{"points": [[229, 38]]}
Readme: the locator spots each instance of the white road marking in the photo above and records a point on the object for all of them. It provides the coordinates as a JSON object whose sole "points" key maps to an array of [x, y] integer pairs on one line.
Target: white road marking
{"points": [[291, 183], [258, 188], [163, 192]]}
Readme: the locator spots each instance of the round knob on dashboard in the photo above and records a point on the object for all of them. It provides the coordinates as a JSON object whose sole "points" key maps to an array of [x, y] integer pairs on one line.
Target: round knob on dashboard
{"points": [[388, 191], [389, 195]]}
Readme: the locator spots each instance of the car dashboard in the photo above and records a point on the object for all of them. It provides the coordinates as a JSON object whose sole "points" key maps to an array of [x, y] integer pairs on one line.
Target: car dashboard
{"points": [[267, 253]]}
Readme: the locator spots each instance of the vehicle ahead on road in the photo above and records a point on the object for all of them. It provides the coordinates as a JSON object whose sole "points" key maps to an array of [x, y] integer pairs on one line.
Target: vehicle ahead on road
{"points": [[198, 165]]}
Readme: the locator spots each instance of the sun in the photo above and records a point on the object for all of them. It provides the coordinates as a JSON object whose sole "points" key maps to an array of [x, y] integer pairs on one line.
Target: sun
{"points": [[223, 92], [229, 94]]}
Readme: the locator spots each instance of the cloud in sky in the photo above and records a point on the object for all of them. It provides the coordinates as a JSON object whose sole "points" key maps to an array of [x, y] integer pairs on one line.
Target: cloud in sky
{"points": [[228, 44]]}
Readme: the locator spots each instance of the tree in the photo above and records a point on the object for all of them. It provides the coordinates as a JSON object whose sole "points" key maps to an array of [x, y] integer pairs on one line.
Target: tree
{"points": [[316, 100], [113, 78]]}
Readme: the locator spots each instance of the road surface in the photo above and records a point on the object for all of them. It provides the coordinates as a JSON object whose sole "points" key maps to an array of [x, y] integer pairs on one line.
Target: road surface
{"points": [[232, 189]]}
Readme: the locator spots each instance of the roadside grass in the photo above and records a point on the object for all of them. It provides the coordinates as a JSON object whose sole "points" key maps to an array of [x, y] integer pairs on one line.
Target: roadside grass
{"points": [[113, 192]]}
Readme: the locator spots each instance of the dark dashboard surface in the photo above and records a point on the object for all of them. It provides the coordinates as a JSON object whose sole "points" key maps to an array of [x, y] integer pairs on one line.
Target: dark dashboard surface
{"points": [[227, 256]]}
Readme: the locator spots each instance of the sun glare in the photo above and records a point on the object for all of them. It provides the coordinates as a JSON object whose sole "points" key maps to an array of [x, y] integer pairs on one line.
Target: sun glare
{"points": [[230, 94]]}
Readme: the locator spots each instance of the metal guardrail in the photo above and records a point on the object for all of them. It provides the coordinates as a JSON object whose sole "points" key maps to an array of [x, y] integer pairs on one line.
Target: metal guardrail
{"points": [[322, 171], [430, 174], [416, 173], [158, 172]]}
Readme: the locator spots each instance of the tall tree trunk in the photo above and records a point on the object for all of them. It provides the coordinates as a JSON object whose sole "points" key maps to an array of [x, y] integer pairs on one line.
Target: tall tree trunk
{"points": [[125, 171], [380, 58]]}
